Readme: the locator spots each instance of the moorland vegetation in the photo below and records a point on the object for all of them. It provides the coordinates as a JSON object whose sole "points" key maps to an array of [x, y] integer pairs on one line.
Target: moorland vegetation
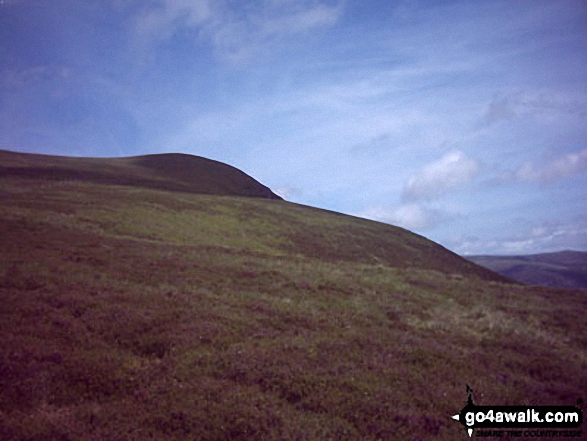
{"points": [[137, 305]]}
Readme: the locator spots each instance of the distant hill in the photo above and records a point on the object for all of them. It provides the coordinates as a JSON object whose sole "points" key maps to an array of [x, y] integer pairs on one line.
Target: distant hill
{"points": [[146, 298], [169, 171], [566, 269]]}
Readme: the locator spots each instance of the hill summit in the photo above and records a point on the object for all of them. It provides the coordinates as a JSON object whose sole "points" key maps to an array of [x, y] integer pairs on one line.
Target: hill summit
{"points": [[168, 171]]}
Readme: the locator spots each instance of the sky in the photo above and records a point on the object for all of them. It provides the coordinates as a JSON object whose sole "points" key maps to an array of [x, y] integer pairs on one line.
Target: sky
{"points": [[464, 121]]}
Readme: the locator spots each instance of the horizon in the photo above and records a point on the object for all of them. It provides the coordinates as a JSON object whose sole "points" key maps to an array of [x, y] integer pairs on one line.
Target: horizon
{"points": [[461, 121]]}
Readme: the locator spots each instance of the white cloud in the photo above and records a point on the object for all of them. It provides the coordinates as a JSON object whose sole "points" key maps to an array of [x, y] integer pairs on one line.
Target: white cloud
{"points": [[437, 178], [431, 182], [563, 167], [553, 235], [410, 216], [289, 193]]}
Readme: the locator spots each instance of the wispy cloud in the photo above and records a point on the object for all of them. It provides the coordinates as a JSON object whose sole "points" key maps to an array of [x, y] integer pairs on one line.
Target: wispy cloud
{"points": [[289, 193], [288, 17], [235, 30], [439, 177], [373, 145], [499, 108], [551, 235], [561, 167], [545, 104], [163, 19], [31, 77], [411, 216]]}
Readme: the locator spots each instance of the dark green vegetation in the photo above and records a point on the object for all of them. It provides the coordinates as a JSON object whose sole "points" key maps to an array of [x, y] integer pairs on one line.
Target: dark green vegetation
{"points": [[134, 313], [566, 269]]}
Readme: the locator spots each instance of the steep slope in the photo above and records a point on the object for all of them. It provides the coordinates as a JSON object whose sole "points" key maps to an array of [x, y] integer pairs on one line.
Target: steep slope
{"points": [[565, 269], [171, 171], [134, 312]]}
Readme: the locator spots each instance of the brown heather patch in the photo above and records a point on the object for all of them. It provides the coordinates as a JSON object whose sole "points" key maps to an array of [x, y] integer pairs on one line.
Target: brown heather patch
{"points": [[201, 326]]}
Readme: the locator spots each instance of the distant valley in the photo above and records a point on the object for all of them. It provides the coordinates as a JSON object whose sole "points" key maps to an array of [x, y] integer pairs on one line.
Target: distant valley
{"points": [[565, 269]]}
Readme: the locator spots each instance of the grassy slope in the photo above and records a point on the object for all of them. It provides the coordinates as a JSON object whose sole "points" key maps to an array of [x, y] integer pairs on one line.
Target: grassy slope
{"points": [[135, 313], [566, 269]]}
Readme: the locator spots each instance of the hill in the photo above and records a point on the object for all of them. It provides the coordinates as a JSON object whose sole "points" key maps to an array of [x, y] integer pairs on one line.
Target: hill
{"points": [[131, 311], [280, 229], [565, 269], [170, 171]]}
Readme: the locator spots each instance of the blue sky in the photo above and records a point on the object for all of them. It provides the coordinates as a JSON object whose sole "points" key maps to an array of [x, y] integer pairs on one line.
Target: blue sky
{"points": [[464, 121]]}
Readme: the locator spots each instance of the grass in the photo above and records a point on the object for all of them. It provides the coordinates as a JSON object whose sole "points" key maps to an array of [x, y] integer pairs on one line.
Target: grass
{"points": [[138, 313]]}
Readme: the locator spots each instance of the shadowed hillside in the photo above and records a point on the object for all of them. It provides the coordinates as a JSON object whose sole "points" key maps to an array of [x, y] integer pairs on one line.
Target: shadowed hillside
{"points": [[171, 171], [565, 269], [138, 308]]}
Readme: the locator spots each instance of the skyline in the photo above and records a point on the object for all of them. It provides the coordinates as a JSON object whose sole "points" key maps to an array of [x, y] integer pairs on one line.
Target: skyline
{"points": [[463, 121]]}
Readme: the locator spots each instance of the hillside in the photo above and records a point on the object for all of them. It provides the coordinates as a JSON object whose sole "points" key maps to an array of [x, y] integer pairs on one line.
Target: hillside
{"points": [[281, 229], [132, 309], [171, 171], [565, 269]]}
